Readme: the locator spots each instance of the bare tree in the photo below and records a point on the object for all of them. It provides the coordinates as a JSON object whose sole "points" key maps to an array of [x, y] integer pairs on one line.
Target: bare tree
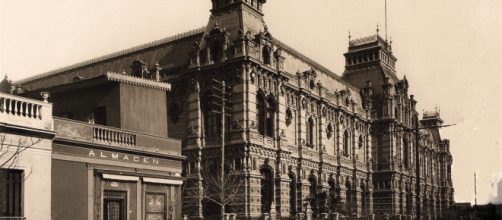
{"points": [[10, 151], [219, 190]]}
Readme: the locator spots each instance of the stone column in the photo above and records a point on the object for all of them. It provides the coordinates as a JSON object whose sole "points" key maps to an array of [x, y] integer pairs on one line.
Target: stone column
{"points": [[192, 149]]}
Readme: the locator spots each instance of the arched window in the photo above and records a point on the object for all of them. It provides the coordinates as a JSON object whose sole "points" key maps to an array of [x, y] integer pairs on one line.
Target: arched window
{"points": [[310, 132], [396, 113], [266, 55], [260, 110], [265, 115], [215, 53], [346, 143], [406, 152], [270, 117]]}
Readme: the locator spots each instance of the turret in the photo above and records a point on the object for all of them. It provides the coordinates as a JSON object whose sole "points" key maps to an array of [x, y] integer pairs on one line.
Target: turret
{"points": [[224, 5], [431, 119]]}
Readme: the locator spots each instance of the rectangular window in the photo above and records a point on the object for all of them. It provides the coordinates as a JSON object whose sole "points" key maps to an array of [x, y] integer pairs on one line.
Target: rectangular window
{"points": [[155, 206], [10, 192]]}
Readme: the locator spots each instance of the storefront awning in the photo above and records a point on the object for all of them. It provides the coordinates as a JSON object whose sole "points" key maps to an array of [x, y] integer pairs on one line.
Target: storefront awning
{"points": [[162, 181], [120, 177]]}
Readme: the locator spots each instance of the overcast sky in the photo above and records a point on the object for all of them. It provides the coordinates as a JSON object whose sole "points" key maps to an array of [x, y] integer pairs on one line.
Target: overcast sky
{"points": [[449, 50]]}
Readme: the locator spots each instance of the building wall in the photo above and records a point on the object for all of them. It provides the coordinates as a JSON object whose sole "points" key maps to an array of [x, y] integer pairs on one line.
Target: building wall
{"points": [[26, 139], [69, 190], [35, 162], [143, 110]]}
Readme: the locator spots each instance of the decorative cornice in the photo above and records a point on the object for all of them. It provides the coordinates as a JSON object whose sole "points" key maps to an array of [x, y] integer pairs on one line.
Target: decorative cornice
{"points": [[116, 54], [132, 80]]}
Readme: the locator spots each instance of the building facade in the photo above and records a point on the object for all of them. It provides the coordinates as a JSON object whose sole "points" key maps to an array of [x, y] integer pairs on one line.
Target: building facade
{"points": [[111, 157], [26, 133], [297, 137]]}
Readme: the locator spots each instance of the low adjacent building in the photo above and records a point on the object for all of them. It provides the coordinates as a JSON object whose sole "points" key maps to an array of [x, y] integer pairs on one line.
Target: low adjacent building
{"points": [[111, 158], [101, 172], [26, 131]]}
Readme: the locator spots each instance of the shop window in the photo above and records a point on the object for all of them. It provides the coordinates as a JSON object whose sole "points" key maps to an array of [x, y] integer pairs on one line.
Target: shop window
{"points": [[10, 192], [100, 115], [155, 206]]}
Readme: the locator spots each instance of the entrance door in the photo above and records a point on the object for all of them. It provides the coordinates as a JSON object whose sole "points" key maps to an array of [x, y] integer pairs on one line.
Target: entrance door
{"points": [[114, 206]]}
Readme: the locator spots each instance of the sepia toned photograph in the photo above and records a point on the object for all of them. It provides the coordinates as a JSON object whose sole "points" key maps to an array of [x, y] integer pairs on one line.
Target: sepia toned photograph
{"points": [[250, 110]]}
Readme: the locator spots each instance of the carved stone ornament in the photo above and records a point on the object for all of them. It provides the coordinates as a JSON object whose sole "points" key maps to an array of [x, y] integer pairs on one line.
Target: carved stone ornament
{"points": [[252, 125], [192, 131], [289, 117], [253, 76], [237, 125], [329, 131], [304, 103], [193, 84]]}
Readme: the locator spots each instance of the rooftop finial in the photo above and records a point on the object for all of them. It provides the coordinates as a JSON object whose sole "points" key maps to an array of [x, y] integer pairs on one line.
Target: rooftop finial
{"points": [[385, 20], [350, 36], [378, 29]]}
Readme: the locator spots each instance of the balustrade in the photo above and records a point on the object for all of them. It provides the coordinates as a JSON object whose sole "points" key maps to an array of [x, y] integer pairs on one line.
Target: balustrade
{"points": [[21, 111], [20, 107], [114, 136]]}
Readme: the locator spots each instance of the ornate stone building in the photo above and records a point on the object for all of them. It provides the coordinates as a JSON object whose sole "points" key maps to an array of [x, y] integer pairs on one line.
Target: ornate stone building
{"points": [[298, 136]]}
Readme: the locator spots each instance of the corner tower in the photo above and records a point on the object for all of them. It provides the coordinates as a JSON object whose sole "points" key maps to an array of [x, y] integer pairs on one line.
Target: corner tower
{"points": [[370, 59], [237, 15]]}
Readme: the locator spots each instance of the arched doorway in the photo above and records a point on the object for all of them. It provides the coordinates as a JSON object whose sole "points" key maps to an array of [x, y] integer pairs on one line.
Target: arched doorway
{"points": [[364, 198], [332, 194], [348, 198], [267, 189], [292, 192], [313, 192]]}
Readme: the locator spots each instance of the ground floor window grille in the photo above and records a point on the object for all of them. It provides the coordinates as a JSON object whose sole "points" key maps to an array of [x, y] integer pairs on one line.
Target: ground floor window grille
{"points": [[10, 192]]}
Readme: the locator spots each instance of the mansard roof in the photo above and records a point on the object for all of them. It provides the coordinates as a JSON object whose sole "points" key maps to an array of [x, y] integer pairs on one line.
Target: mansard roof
{"points": [[170, 52]]}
